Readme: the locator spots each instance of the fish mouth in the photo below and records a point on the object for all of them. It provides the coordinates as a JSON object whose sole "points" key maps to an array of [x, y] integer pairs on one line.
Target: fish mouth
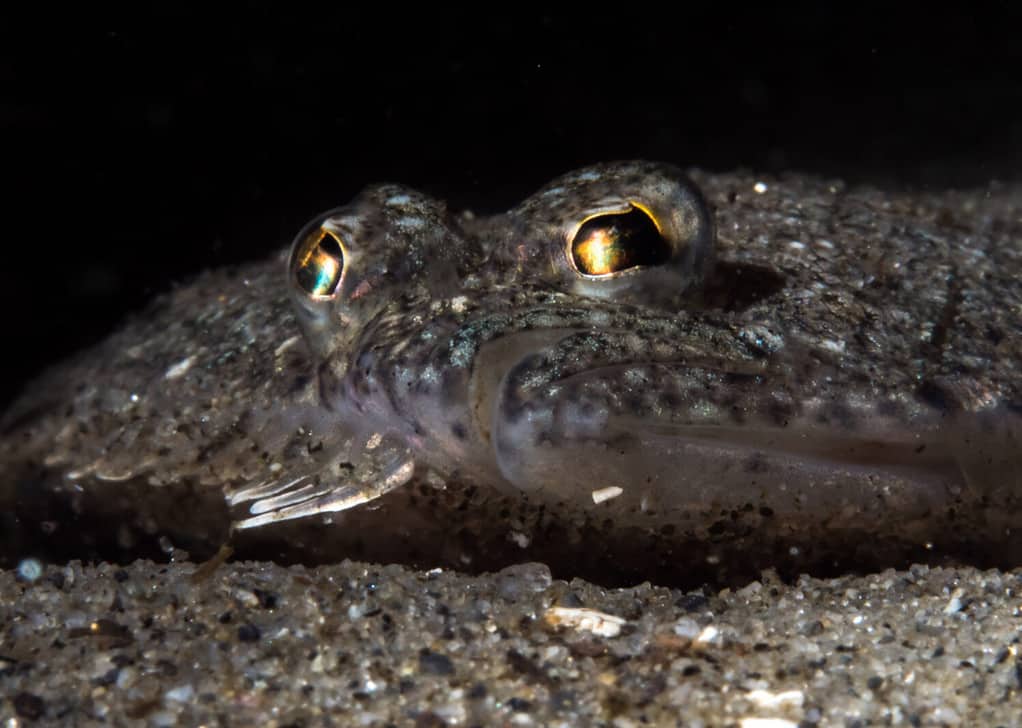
{"points": [[806, 464], [876, 441]]}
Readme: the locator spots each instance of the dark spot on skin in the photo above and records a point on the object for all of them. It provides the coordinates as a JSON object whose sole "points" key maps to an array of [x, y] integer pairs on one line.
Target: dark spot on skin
{"points": [[947, 317], [780, 412], [636, 404], [670, 401], [458, 430], [737, 414], [329, 386], [755, 463], [937, 396], [449, 385], [733, 379], [889, 408], [994, 335], [299, 383], [839, 413]]}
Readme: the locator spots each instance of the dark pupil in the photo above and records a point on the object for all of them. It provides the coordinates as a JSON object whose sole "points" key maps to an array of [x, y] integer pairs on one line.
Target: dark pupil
{"points": [[616, 242], [319, 264]]}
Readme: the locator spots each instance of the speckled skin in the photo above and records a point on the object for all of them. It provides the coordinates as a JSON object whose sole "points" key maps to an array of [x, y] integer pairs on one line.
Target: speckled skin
{"points": [[832, 381]]}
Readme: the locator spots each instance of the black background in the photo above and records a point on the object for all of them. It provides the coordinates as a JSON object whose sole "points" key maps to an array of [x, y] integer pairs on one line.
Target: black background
{"points": [[140, 147]]}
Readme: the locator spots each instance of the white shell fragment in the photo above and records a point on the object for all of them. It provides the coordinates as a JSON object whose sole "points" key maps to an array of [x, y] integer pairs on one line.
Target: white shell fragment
{"points": [[773, 701], [605, 494], [587, 620]]}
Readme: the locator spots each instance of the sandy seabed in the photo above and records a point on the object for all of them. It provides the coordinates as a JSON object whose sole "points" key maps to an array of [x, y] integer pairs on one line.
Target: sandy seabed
{"points": [[354, 644]]}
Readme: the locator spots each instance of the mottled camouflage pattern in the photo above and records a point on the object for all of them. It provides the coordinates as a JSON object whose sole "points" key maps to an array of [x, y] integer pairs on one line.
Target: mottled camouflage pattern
{"points": [[834, 382]]}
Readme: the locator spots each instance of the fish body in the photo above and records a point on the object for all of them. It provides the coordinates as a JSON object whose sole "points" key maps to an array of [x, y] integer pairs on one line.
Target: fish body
{"points": [[636, 372]]}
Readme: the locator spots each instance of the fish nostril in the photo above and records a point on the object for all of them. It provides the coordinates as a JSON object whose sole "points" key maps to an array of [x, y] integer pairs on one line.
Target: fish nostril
{"points": [[737, 286]]}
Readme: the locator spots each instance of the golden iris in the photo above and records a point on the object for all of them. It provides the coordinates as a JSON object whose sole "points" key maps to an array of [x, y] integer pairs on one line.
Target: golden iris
{"points": [[318, 263], [613, 242]]}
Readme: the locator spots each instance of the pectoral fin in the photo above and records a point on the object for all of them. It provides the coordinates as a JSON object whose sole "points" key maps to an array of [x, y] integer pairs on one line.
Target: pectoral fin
{"points": [[337, 486]]}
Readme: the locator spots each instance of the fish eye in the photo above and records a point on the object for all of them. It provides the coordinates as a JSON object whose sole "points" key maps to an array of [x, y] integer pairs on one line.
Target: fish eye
{"points": [[612, 242], [317, 263]]}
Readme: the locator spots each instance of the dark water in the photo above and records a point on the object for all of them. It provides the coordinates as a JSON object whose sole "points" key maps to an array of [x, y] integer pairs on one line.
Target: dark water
{"points": [[144, 146]]}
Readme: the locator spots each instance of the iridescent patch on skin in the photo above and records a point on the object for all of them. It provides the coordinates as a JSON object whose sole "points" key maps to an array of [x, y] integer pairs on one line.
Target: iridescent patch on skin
{"points": [[685, 358]]}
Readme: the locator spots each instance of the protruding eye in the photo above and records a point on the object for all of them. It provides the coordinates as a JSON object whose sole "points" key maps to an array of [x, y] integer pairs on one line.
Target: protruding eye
{"points": [[613, 242], [318, 262]]}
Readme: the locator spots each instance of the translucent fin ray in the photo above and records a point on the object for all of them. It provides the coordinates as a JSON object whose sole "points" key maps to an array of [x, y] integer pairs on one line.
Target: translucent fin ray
{"points": [[318, 498]]}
